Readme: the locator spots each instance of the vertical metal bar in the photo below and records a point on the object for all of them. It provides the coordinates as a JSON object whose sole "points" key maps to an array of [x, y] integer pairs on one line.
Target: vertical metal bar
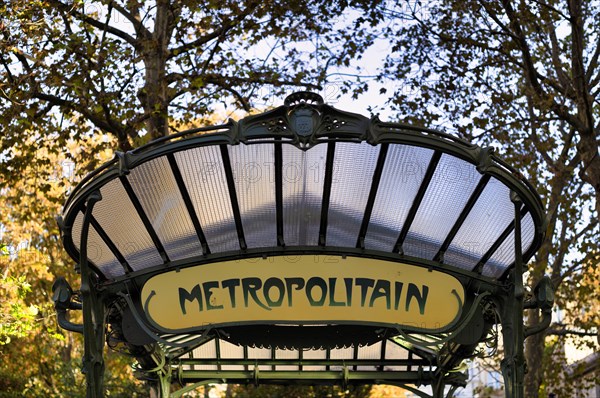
{"points": [[191, 356], [519, 297], [235, 206], [360, 241], [218, 352], [165, 384], [513, 364], [144, 217], [326, 192], [279, 190], [382, 353], [451, 391], [185, 195], [273, 357], [93, 313], [417, 201], [438, 386]]}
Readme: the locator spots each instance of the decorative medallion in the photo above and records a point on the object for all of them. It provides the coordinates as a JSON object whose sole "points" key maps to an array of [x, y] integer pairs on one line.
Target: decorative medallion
{"points": [[303, 121]]}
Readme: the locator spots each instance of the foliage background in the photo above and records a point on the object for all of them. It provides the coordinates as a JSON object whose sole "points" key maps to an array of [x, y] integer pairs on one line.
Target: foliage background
{"points": [[81, 79]]}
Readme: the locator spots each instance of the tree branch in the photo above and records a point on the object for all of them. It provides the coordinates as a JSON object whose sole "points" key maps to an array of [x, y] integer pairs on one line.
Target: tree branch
{"points": [[592, 67], [579, 264], [220, 80], [531, 73], [549, 7], [95, 23], [569, 332], [240, 98], [97, 120], [497, 20], [215, 33], [11, 77], [534, 135], [579, 74], [555, 50], [133, 17]]}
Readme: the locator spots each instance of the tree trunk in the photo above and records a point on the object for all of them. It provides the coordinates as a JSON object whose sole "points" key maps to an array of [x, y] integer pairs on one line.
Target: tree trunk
{"points": [[154, 96], [535, 344], [534, 352], [588, 145]]}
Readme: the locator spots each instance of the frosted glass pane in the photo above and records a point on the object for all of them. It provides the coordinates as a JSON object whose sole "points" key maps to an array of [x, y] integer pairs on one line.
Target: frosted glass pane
{"points": [[401, 177], [369, 352], [287, 354], [157, 191], [449, 190], [98, 252], [231, 351], [353, 169], [342, 353], [394, 351], [492, 212], [260, 353], [314, 354], [303, 174], [505, 255], [254, 174], [207, 350], [204, 177], [119, 219]]}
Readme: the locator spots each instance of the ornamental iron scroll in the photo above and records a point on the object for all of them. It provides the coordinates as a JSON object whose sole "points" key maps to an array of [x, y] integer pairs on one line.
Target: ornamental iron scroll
{"points": [[304, 121]]}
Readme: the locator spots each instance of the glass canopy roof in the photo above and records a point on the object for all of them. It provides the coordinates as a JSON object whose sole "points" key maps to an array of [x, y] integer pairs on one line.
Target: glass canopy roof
{"points": [[356, 184], [304, 178]]}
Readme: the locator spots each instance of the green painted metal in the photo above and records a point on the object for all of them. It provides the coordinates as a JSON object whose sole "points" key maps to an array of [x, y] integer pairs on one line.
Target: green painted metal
{"points": [[513, 364], [366, 377], [439, 352], [165, 381], [93, 314], [303, 362], [194, 386], [373, 131]]}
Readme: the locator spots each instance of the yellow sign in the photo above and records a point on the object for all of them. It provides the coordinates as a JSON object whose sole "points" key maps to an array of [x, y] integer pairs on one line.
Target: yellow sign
{"points": [[303, 289]]}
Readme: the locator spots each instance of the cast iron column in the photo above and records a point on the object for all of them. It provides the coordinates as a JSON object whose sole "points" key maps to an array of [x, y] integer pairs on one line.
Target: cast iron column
{"points": [[93, 313], [513, 364]]}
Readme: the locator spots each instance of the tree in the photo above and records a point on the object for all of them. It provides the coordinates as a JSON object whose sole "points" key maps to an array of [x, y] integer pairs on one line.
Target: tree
{"points": [[129, 68], [524, 74], [37, 358], [78, 78]]}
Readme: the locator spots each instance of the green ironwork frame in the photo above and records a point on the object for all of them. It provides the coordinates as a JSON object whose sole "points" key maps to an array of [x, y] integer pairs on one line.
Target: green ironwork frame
{"points": [[506, 294]]}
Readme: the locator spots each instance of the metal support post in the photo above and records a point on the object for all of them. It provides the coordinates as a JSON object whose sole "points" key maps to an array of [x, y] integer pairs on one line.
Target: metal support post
{"points": [[93, 314], [513, 364], [438, 386], [165, 383], [162, 376]]}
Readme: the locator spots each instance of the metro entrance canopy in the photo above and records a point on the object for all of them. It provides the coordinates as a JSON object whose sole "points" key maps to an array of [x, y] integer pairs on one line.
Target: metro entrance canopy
{"points": [[303, 245]]}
